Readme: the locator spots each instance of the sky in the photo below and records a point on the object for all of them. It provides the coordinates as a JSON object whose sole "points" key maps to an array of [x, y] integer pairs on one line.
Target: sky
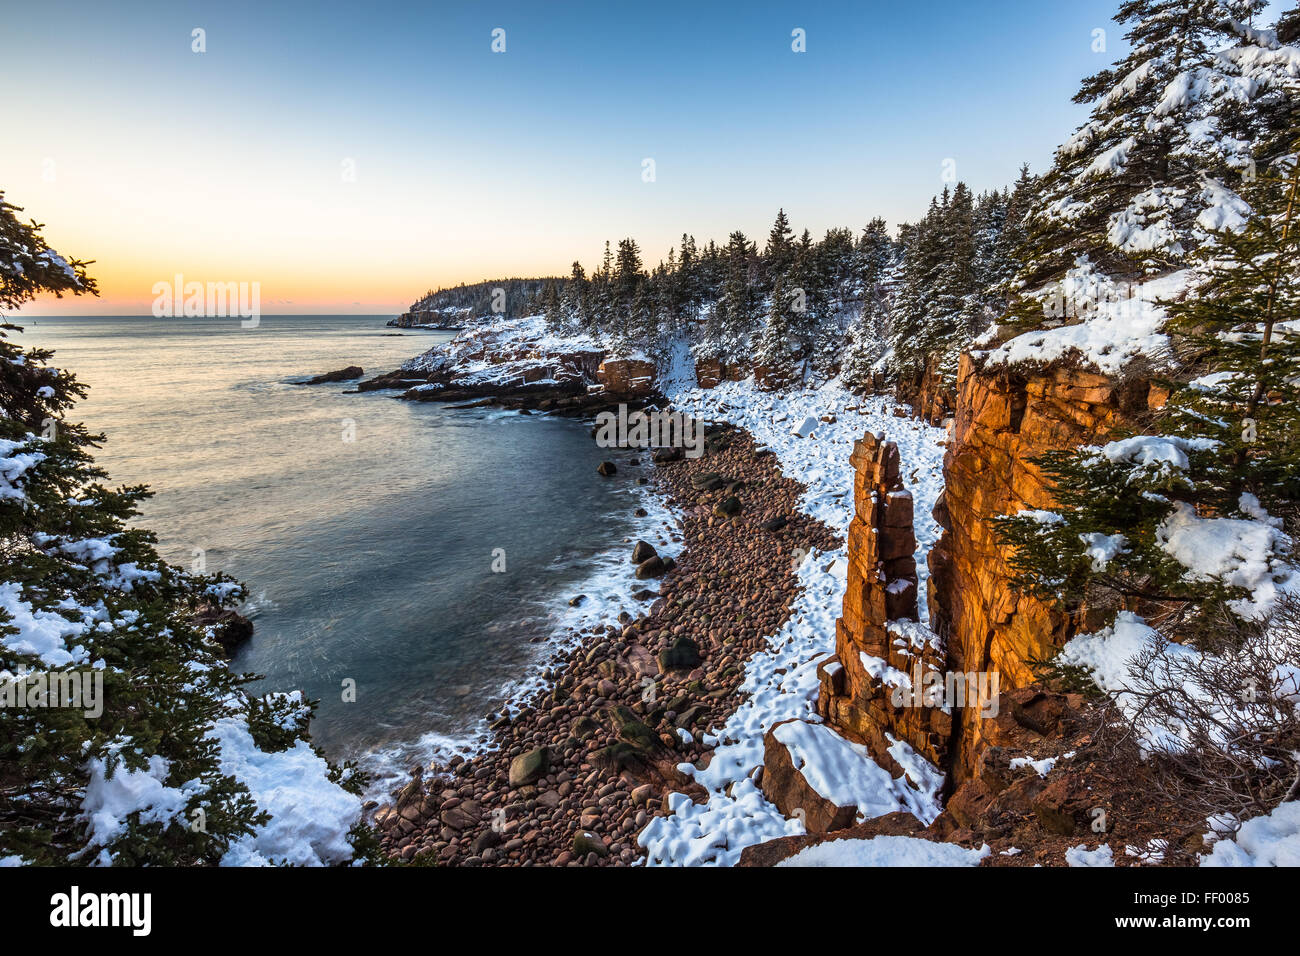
{"points": [[347, 157]]}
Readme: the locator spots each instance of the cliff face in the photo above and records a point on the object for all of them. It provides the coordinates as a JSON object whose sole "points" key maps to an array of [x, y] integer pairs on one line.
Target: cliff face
{"points": [[1002, 419]]}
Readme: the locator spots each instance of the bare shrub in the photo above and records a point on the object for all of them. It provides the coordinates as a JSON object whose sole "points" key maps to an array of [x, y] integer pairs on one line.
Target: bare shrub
{"points": [[1223, 727]]}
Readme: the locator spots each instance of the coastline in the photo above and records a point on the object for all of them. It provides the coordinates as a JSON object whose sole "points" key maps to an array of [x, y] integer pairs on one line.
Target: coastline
{"points": [[584, 766]]}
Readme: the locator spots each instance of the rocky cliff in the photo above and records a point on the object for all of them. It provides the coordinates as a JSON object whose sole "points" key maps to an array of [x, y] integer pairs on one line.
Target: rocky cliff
{"points": [[1003, 418]]}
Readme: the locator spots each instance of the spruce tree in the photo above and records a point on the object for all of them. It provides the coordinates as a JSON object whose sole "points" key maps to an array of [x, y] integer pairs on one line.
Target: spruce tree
{"points": [[1129, 187], [1223, 447], [84, 595]]}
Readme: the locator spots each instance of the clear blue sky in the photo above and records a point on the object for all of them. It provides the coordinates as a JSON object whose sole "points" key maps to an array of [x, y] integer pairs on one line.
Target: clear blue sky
{"points": [[469, 163]]}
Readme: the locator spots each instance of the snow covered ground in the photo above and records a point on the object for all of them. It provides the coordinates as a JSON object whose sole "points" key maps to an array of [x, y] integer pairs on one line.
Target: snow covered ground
{"points": [[781, 681]]}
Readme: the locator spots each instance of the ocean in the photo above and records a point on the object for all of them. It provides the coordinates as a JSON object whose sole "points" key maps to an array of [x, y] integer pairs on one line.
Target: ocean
{"points": [[419, 555]]}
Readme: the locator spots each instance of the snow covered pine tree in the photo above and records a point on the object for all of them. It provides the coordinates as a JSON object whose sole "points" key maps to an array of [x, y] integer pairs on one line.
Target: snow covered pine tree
{"points": [[124, 737]]}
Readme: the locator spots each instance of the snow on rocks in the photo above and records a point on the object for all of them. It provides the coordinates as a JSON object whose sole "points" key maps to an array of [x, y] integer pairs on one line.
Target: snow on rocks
{"points": [[1081, 856], [1270, 840], [781, 681], [842, 775], [887, 851], [1116, 323]]}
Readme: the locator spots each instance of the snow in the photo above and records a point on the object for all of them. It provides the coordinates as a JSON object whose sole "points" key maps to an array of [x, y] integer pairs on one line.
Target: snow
{"points": [[41, 633], [887, 851], [1107, 652], [13, 464], [845, 774], [1041, 767], [1240, 552], [1102, 548], [1163, 454], [1081, 856], [1117, 323], [1271, 840], [780, 681], [310, 814], [110, 799]]}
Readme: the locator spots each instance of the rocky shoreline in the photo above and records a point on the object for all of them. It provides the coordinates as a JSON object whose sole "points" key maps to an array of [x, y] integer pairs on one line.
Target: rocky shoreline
{"points": [[573, 777]]}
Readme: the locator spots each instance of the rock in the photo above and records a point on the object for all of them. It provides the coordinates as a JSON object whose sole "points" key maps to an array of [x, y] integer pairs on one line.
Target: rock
{"points": [[339, 375], [651, 568], [774, 524], [1062, 807], [728, 507], [643, 552], [229, 628], [786, 787], [709, 481], [663, 456], [805, 428], [585, 842], [578, 600], [606, 468], [528, 767], [682, 655]]}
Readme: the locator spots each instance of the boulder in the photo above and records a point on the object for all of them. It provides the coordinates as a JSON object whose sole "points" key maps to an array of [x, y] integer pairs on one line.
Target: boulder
{"points": [[338, 375], [529, 767], [651, 568], [786, 787], [682, 655], [728, 507]]}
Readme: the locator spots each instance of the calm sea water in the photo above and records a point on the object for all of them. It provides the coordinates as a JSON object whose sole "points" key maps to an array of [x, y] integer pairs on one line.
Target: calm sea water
{"points": [[365, 528]]}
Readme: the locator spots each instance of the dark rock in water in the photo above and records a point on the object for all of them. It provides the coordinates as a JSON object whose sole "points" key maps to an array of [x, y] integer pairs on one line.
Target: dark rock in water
{"points": [[641, 512], [338, 375], [774, 524], [643, 552], [576, 601], [606, 468], [727, 507], [650, 568], [229, 628], [662, 456], [645, 594]]}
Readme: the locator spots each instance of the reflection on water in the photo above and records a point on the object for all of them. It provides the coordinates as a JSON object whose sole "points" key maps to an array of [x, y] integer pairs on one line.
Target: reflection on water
{"points": [[364, 527]]}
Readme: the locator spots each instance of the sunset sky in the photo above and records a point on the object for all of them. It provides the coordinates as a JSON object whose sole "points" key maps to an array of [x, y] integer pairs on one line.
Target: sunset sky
{"points": [[231, 164]]}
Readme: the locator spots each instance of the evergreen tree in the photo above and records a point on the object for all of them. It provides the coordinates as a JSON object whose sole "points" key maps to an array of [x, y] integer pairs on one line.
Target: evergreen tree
{"points": [[780, 248], [85, 595], [738, 305], [1224, 448], [1129, 187]]}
